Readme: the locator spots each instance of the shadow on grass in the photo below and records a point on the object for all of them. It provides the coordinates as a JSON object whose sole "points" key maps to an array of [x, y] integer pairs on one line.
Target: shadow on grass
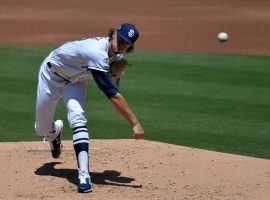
{"points": [[108, 177]]}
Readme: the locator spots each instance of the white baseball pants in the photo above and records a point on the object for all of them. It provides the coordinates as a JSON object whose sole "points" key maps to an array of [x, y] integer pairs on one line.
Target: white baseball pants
{"points": [[50, 89]]}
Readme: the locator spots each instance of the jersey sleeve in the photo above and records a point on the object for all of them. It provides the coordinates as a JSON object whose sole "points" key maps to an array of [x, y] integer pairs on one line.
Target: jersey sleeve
{"points": [[95, 53], [97, 61], [105, 82]]}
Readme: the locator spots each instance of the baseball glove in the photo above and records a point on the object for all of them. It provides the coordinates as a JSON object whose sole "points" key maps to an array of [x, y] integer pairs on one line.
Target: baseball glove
{"points": [[117, 69]]}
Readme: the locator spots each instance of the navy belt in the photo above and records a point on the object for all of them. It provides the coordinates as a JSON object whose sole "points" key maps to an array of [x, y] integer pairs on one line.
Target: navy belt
{"points": [[50, 67]]}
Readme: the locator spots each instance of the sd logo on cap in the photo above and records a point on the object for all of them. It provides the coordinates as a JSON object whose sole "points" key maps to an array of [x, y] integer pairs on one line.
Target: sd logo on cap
{"points": [[128, 32]]}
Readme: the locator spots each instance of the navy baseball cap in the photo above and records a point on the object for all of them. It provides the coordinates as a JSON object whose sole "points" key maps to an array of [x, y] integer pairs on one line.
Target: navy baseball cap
{"points": [[128, 32]]}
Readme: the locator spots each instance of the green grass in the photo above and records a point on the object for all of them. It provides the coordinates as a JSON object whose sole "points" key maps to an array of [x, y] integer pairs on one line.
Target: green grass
{"points": [[210, 101]]}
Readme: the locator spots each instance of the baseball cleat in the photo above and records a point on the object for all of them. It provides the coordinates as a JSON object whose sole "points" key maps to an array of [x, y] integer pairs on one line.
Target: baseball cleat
{"points": [[55, 142], [85, 184]]}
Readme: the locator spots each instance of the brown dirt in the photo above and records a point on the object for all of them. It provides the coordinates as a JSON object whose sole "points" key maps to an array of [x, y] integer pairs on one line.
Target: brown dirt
{"points": [[175, 25], [120, 167]]}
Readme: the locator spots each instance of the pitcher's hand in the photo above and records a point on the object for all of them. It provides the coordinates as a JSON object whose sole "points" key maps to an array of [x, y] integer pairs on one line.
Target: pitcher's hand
{"points": [[138, 131]]}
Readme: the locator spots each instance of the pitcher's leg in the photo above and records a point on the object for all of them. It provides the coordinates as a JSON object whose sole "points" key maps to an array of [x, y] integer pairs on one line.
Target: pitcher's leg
{"points": [[74, 97], [45, 106], [48, 93]]}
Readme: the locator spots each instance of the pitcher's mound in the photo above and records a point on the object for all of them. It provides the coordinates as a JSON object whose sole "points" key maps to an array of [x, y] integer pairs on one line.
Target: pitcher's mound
{"points": [[129, 169]]}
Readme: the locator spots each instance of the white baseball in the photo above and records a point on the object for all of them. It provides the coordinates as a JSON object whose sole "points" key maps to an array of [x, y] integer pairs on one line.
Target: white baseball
{"points": [[223, 37]]}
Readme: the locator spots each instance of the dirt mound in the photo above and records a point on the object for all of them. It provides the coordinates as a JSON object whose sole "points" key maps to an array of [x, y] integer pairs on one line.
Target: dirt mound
{"points": [[129, 169]]}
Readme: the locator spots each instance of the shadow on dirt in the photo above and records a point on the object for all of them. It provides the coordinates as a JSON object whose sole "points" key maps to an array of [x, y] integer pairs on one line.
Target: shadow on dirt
{"points": [[108, 177]]}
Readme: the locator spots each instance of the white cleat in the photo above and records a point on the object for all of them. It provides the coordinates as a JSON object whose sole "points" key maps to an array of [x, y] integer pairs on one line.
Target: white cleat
{"points": [[85, 184], [54, 138]]}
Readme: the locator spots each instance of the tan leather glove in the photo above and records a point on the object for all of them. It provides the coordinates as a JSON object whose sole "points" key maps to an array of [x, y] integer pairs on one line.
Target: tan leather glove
{"points": [[117, 69]]}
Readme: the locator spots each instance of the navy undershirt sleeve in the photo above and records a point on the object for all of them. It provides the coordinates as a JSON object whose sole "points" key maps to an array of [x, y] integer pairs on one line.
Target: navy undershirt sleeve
{"points": [[105, 82]]}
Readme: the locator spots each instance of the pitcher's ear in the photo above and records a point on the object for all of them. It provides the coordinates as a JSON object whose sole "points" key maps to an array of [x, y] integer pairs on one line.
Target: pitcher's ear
{"points": [[114, 34]]}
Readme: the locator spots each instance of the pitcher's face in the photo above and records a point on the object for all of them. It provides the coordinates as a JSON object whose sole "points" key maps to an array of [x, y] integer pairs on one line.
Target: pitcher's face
{"points": [[118, 45], [123, 46]]}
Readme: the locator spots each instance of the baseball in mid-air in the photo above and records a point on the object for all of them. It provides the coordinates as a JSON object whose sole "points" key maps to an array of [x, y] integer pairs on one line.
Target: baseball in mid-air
{"points": [[222, 37]]}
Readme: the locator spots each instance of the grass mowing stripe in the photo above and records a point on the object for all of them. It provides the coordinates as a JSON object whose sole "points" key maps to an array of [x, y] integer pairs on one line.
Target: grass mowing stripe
{"points": [[231, 93], [210, 101]]}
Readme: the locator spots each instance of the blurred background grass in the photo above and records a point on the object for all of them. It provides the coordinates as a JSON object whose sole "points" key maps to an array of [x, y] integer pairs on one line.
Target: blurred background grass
{"points": [[210, 101]]}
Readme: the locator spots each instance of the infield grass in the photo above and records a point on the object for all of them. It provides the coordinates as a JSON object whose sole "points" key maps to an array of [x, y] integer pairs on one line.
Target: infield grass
{"points": [[210, 101]]}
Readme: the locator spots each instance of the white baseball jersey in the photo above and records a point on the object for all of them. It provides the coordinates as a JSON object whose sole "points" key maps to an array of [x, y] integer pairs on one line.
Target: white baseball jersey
{"points": [[73, 59]]}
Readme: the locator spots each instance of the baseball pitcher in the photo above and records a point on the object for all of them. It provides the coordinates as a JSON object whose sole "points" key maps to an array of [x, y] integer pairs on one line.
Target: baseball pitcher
{"points": [[65, 74]]}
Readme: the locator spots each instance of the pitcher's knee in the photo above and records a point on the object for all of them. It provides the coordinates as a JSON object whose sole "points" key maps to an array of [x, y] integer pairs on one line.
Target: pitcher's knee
{"points": [[76, 114]]}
